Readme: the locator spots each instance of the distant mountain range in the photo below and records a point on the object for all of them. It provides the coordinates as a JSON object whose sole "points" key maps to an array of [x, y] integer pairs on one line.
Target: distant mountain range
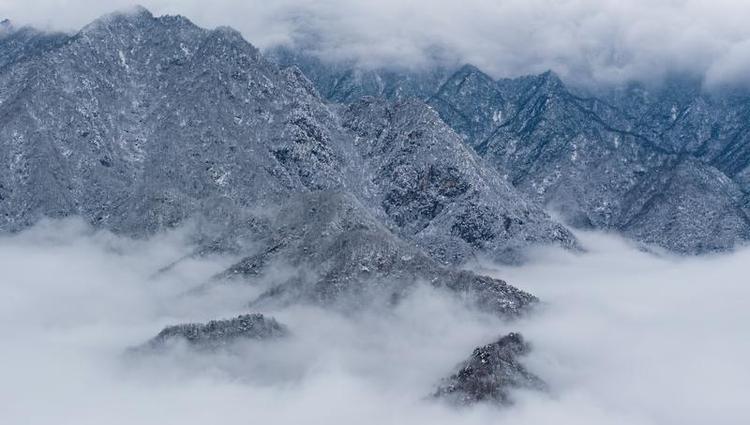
{"points": [[667, 166]]}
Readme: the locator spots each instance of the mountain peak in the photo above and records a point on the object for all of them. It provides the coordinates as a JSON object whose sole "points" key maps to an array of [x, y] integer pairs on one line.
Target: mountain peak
{"points": [[469, 69], [550, 79], [129, 15], [229, 32], [6, 25], [135, 12]]}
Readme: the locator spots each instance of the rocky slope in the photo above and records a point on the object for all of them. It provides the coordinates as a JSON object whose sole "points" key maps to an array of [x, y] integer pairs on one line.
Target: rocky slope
{"points": [[490, 374], [436, 191], [600, 168], [139, 123], [19, 43]]}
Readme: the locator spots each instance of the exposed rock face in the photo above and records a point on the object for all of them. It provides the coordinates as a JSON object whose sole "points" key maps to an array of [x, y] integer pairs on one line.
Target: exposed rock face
{"points": [[471, 103], [218, 333], [490, 374], [668, 166], [436, 191]]}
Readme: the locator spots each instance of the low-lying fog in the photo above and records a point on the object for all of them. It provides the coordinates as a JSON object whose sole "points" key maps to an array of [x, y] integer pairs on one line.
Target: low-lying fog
{"points": [[624, 337]]}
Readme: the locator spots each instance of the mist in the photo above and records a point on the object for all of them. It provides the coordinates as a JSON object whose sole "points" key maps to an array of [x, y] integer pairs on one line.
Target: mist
{"points": [[622, 337], [585, 41]]}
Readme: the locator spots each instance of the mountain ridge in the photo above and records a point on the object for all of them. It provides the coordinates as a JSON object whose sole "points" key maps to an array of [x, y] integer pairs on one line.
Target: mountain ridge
{"points": [[593, 155]]}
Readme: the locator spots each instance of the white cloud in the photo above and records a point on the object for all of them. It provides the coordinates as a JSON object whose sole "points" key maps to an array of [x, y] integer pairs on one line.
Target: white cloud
{"points": [[625, 338], [631, 338], [731, 66], [583, 40]]}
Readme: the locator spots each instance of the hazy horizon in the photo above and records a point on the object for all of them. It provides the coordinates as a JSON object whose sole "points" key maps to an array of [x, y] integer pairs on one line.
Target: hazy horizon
{"points": [[585, 41]]}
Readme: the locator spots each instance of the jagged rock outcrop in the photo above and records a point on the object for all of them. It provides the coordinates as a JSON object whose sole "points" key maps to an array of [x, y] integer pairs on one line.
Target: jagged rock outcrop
{"points": [[217, 333], [471, 102], [436, 191], [491, 374]]}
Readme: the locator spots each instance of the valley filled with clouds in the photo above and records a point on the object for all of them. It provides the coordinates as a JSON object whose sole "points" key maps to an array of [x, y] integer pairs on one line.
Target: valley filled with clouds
{"points": [[621, 337], [362, 221]]}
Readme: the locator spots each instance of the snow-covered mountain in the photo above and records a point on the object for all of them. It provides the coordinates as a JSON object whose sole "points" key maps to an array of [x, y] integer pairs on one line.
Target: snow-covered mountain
{"points": [[140, 123], [665, 165]]}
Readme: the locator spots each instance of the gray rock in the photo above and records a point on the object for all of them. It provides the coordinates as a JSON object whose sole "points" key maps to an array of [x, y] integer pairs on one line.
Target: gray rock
{"points": [[437, 192], [491, 374]]}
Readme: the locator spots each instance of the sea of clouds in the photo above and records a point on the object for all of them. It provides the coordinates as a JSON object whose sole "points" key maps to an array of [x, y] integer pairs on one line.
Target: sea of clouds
{"points": [[622, 337]]}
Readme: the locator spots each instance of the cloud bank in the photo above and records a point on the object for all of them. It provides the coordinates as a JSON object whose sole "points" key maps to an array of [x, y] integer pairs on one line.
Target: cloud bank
{"points": [[630, 338], [623, 338], [586, 41]]}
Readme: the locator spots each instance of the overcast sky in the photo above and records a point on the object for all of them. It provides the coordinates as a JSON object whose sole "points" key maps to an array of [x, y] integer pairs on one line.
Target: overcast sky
{"points": [[594, 40]]}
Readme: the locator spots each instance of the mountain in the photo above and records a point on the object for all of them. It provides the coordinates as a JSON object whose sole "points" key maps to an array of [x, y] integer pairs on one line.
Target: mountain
{"points": [[327, 248], [436, 191], [139, 124], [592, 161], [490, 373], [666, 165], [136, 123], [18, 43], [470, 102]]}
